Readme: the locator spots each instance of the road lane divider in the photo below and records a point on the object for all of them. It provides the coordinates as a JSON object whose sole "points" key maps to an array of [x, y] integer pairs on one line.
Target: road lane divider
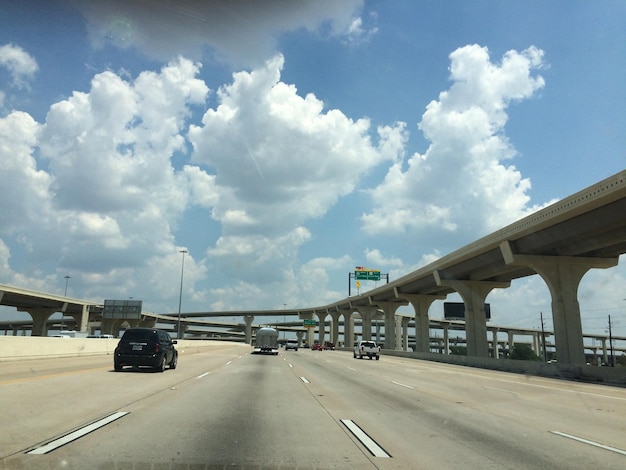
{"points": [[367, 441], [55, 444], [591, 443], [202, 375], [402, 385], [305, 380]]}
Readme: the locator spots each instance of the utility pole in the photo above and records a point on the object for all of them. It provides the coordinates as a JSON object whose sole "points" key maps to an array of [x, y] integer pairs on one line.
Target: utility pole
{"points": [[543, 339], [611, 343]]}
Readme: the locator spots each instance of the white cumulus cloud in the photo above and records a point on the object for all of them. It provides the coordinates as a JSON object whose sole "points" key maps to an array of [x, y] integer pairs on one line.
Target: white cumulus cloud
{"points": [[463, 182]]}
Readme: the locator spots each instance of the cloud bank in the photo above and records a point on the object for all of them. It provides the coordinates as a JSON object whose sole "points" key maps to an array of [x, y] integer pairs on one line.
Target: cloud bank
{"points": [[102, 185]]}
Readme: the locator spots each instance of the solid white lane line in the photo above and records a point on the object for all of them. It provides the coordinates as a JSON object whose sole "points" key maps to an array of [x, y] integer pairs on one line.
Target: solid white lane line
{"points": [[403, 385], [202, 375], [592, 443], [77, 434], [502, 390], [367, 441], [305, 380]]}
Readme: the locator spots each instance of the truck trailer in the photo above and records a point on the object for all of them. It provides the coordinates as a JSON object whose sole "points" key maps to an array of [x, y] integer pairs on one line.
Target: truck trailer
{"points": [[266, 341]]}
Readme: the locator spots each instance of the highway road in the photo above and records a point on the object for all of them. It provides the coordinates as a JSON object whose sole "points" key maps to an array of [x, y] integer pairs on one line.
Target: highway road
{"points": [[226, 408]]}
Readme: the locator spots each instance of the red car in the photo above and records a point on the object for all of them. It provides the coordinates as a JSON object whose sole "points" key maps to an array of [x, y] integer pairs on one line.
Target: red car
{"points": [[316, 347]]}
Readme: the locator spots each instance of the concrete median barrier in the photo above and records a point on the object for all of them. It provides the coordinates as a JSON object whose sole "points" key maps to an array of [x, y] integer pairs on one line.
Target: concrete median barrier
{"points": [[14, 348]]}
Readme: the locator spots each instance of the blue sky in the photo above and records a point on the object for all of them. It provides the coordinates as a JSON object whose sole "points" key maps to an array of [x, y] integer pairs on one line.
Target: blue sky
{"points": [[285, 143]]}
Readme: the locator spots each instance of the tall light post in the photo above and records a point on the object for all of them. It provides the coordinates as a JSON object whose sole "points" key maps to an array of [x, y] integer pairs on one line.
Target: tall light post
{"points": [[180, 296], [67, 278]]}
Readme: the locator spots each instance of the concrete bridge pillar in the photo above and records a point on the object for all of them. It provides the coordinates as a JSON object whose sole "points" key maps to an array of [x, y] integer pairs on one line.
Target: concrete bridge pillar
{"points": [[605, 353], [310, 332], [389, 310], [473, 294], [446, 339], [367, 313], [348, 328], [421, 304], [321, 335], [494, 342], [562, 274], [81, 319], [334, 327], [536, 347], [403, 340], [299, 335], [40, 317], [248, 319], [511, 341]]}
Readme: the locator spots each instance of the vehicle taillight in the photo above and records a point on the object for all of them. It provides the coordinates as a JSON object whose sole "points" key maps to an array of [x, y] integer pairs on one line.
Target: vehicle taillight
{"points": [[157, 347]]}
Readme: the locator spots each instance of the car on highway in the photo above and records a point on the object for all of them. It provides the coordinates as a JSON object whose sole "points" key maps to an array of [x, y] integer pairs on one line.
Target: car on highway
{"points": [[317, 347], [291, 344], [366, 348], [329, 345], [145, 347]]}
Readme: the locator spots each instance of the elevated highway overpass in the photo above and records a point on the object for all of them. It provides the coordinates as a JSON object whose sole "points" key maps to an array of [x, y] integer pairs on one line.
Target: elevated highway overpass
{"points": [[560, 243]]}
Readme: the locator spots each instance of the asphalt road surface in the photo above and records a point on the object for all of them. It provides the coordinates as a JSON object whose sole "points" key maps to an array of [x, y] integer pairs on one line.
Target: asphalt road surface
{"points": [[226, 408]]}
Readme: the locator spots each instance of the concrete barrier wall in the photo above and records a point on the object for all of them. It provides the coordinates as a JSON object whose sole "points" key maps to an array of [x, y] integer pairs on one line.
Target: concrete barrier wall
{"points": [[35, 347], [603, 375]]}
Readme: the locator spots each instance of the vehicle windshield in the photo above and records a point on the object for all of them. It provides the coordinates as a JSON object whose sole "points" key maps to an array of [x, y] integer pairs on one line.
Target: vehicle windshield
{"points": [[214, 169]]}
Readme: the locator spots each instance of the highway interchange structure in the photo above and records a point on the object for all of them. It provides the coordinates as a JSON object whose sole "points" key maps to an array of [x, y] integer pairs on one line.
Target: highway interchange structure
{"points": [[560, 243]]}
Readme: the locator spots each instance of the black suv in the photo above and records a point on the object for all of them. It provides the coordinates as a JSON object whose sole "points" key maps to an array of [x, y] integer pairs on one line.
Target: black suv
{"points": [[145, 347]]}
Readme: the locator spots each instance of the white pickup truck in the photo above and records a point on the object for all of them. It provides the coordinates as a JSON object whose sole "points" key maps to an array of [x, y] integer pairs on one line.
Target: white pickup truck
{"points": [[366, 348]]}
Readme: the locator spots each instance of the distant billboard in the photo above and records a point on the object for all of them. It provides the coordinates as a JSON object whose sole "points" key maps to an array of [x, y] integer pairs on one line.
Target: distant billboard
{"points": [[456, 311], [122, 309]]}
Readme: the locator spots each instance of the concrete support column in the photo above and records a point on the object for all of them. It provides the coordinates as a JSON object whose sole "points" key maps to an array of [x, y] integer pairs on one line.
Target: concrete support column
{"points": [[299, 335], [562, 274], [348, 329], [367, 313], [248, 318], [377, 331], [494, 342], [398, 330], [40, 317], [511, 341], [473, 294], [389, 310], [605, 353], [334, 327], [321, 336], [404, 324], [84, 318], [310, 332], [446, 340], [81, 319], [421, 304], [536, 347]]}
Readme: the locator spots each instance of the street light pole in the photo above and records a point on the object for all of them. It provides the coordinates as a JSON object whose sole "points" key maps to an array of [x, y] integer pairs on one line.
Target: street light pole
{"points": [[180, 296], [67, 278]]}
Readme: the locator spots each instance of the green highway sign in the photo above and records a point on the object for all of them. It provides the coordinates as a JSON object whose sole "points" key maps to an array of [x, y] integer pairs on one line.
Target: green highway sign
{"points": [[367, 275], [310, 323]]}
